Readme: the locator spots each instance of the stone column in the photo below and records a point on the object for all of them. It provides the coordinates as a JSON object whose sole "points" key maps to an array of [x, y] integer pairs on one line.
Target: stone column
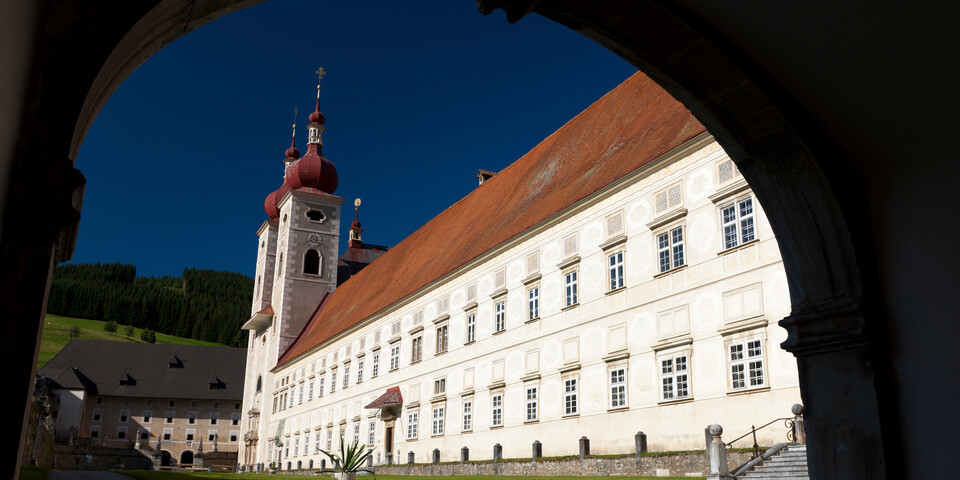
{"points": [[799, 434], [718, 455]]}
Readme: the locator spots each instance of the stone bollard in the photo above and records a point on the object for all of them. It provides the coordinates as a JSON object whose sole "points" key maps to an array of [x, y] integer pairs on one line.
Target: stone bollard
{"points": [[799, 433], [537, 451], [640, 443], [410, 456], [584, 447], [389, 458], [497, 452], [464, 455], [718, 455], [436, 455]]}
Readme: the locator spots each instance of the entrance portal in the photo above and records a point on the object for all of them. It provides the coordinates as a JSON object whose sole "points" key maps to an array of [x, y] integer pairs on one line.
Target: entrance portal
{"points": [[186, 458]]}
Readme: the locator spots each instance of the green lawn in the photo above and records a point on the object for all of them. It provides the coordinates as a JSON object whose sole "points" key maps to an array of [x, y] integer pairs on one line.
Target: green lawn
{"points": [[34, 473], [164, 475], [56, 335]]}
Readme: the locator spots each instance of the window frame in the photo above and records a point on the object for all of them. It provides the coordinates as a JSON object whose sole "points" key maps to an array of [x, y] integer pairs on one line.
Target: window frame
{"points": [[531, 403], [670, 248], [746, 362], [571, 396], [471, 330], [438, 421], [443, 338], [737, 223], [616, 270], [571, 281], [500, 315], [496, 410], [533, 303], [467, 414], [412, 424], [394, 356], [617, 387]]}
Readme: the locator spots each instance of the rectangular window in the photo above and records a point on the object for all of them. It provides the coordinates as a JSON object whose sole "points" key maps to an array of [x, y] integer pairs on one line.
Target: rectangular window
{"points": [[443, 306], [471, 292], [496, 404], [333, 381], [442, 338], [147, 416], [533, 303], [746, 364], [168, 416], [376, 365], [234, 435], [316, 442], [356, 433], [467, 415], [320, 387], [570, 288], [291, 398], [211, 434], [191, 434], [531, 403], [121, 433], [471, 327], [438, 420], [615, 224], [394, 357], [440, 386], [310, 391], [416, 350], [329, 440], [674, 377], [300, 395], [145, 434], [615, 268], [359, 370], [570, 246], [214, 417], [670, 249], [124, 416], [618, 387], [500, 317], [371, 430], [167, 433], [570, 406], [95, 431], [737, 219], [191, 418], [346, 375], [412, 425], [726, 171], [533, 263], [97, 414], [296, 446], [668, 198]]}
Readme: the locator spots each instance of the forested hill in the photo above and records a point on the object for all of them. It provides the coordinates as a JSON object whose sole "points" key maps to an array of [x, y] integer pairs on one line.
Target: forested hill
{"points": [[203, 304]]}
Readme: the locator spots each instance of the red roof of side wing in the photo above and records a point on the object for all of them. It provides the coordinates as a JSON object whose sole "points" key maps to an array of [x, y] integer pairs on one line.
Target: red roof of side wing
{"points": [[633, 124]]}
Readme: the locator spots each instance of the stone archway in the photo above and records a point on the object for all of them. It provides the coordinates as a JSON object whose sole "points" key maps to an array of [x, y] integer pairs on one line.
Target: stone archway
{"points": [[186, 458], [815, 204], [165, 458]]}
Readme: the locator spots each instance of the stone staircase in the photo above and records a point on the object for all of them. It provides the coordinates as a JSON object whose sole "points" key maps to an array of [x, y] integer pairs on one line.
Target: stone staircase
{"points": [[789, 464]]}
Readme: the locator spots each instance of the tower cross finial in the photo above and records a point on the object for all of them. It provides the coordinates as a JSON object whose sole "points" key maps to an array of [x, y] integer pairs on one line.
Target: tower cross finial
{"points": [[320, 74]]}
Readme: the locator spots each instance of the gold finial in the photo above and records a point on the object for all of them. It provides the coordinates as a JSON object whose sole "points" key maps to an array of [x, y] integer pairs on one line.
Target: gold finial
{"points": [[356, 203], [320, 74], [294, 119]]}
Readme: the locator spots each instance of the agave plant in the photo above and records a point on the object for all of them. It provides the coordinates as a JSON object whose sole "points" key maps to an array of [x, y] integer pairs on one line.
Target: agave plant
{"points": [[350, 458]]}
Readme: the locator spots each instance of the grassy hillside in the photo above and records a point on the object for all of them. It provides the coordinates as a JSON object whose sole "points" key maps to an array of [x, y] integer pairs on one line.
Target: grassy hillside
{"points": [[56, 335]]}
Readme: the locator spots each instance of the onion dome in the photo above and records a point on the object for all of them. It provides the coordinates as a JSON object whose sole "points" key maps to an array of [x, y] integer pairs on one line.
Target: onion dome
{"points": [[313, 170], [292, 153], [355, 224]]}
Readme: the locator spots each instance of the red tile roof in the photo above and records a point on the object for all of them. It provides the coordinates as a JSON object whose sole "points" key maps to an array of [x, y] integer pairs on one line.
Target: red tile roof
{"points": [[633, 124], [390, 397]]}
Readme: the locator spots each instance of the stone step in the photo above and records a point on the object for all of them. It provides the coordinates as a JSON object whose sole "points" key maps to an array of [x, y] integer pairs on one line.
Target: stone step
{"points": [[783, 464], [756, 474], [793, 469]]}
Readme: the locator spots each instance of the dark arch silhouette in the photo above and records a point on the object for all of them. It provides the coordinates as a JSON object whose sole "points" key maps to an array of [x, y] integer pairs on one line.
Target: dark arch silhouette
{"points": [[814, 191]]}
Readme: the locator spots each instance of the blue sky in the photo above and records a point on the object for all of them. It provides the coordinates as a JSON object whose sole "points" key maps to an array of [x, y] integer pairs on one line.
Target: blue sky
{"points": [[418, 96]]}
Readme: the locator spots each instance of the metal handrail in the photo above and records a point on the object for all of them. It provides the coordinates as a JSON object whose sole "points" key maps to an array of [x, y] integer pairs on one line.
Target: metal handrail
{"points": [[788, 422]]}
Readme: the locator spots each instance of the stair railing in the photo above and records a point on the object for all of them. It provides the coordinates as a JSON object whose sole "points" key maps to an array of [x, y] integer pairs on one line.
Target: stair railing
{"points": [[794, 425]]}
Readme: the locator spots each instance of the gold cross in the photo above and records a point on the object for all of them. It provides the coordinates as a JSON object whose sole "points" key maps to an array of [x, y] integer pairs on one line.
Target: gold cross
{"points": [[320, 73]]}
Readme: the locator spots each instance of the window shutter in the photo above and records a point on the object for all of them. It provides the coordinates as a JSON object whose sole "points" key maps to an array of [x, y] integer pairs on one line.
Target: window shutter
{"points": [[661, 201], [675, 197]]}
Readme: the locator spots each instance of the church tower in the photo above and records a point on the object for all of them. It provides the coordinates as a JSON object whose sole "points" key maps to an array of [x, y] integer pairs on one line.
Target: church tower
{"points": [[297, 257]]}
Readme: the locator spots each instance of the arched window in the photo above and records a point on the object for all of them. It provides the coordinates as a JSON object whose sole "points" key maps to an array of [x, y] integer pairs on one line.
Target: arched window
{"points": [[259, 382], [311, 262]]}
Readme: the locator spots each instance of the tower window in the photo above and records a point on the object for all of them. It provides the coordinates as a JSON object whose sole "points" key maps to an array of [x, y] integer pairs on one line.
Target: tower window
{"points": [[316, 216], [311, 262]]}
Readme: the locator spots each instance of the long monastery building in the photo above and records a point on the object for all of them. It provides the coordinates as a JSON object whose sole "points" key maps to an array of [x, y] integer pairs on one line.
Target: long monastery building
{"points": [[619, 277]]}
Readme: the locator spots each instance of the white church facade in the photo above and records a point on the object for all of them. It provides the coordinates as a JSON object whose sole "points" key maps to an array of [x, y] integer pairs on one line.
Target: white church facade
{"points": [[620, 277]]}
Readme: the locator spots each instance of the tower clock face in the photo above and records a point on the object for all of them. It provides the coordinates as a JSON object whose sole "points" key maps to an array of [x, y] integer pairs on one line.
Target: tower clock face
{"points": [[313, 239]]}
